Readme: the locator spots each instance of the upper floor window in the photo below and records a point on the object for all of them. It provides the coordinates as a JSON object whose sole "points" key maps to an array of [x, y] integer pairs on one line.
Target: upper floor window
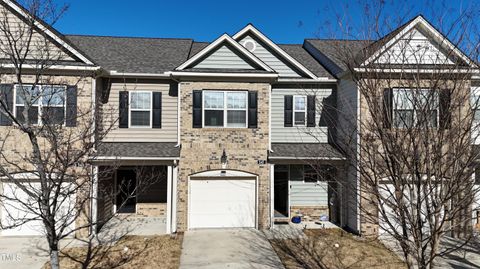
{"points": [[299, 110], [47, 103], [225, 109], [140, 109], [415, 107]]}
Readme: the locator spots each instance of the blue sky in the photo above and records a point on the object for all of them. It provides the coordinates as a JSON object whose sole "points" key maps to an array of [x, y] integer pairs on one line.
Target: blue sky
{"points": [[284, 21]]}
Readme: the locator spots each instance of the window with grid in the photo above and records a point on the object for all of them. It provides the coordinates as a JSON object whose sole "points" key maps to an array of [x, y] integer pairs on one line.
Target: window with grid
{"points": [[415, 107], [46, 102], [225, 109], [140, 109], [299, 110]]}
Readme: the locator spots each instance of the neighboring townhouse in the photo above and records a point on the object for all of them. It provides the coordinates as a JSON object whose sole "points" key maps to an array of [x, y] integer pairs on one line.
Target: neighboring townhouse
{"points": [[242, 131]]}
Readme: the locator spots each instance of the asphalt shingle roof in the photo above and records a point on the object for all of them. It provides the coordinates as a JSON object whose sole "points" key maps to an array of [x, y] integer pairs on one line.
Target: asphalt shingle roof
{"points": [[306, 59], [305, 150], [138, 149], [134, 55]]}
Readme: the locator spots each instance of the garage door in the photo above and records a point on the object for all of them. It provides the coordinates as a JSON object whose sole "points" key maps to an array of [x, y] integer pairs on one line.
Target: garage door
{"points": [[222, 203], [14, 210]]}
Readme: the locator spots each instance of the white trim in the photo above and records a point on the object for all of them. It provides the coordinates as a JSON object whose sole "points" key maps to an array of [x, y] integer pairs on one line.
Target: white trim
{"points": [[16, 7], [55, 67], [300, 111], [114, 73], [102, 158], [220, 40], [228, 75], [150, 110], [270, 117], [276, 48], [174, 198], [423, 71], [169, 200], [179, 112], [440, 38], [272, 196], [318, 80], [219, 174], [307, 158], [225, 109], [94, 200]]}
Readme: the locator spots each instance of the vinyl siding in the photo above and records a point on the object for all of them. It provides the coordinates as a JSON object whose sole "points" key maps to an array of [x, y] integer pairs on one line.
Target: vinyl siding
{"points": [[411, 50], [308, 194], [347, 106], [271, 60], [168, 132], [224, 58], [297, 134]]}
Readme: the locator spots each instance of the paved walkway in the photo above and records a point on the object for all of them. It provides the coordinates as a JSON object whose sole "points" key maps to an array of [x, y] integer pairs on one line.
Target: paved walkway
{"points": [[227, 248]]}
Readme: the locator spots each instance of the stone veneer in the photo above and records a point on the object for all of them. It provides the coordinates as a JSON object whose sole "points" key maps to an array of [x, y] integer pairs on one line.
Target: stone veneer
{"points": [[202, 147]]}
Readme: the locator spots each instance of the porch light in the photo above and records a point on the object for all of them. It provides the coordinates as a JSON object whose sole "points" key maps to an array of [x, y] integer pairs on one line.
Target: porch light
{"points": [[223, 159]]}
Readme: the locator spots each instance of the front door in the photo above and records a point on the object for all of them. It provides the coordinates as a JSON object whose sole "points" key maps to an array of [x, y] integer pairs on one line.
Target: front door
{"points": [[281, 187], [126, 191]]}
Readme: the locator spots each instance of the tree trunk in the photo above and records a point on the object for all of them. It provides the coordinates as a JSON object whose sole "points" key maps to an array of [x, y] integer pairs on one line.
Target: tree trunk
{"points": [[54, 262]]}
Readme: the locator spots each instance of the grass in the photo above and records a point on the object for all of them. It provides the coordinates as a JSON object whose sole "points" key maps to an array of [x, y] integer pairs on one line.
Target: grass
{"points": [[336, 249], [131, 252]]}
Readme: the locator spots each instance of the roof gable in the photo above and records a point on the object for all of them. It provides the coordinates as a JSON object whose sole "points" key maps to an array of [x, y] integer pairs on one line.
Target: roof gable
{"points": [[272, 54], [64, 51], [416, 42], [224, 53]]}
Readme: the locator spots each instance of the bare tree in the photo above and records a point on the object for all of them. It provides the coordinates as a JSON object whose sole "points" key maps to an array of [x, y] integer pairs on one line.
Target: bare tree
{"points": [[410, 144], [46, 146]]}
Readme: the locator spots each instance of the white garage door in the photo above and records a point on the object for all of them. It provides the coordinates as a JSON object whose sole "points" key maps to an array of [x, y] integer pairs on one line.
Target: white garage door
{"points": [[13, 211], [222, 203]]}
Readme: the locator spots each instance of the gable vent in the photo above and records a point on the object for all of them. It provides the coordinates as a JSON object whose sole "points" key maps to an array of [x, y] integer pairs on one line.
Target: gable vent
{"points": [[250, 45]]}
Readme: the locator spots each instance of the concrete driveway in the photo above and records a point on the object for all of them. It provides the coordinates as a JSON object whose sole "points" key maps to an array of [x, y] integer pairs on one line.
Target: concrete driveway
{"points": [[227, 248]]}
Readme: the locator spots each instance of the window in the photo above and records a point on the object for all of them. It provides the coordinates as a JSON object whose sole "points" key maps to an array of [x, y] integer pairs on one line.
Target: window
{"points": [[140, 109], [415, 108], [47, 103], [225, 109], [299, 110]]}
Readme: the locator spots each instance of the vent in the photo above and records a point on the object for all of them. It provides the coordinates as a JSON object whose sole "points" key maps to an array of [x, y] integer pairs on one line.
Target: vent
{"points": [[250, 45]]}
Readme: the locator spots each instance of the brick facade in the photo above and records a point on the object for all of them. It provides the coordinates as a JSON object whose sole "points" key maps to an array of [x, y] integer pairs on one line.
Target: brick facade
{"points": [[203, 147]]}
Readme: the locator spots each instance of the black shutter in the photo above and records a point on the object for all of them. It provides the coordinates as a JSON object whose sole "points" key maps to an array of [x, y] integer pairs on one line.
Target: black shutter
{"points": [[288, 111], [387, 108], [6, 95], [71, 106], [157, 110], [252, 109], [123, 109], [197, 109], [444, 109], [311, 111]]}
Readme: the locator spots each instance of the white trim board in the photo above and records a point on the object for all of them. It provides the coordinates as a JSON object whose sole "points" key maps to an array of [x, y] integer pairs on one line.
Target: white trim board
{"points": [[273, 46], [216, 44]]}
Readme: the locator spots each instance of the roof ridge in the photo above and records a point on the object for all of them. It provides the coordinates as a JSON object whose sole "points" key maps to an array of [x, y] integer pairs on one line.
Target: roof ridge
{"points": [[337, 39], [131, 37]]}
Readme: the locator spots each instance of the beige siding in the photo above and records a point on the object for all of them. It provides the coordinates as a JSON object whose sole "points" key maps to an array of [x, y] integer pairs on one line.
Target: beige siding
{"points": [[297, 134], [271, 60], [224, 57], [38, 46], [168, 132]]}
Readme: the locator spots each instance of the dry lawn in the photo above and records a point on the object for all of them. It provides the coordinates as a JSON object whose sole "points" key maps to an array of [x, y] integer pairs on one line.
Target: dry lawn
{"points": [[319, 250], [131, 252]]}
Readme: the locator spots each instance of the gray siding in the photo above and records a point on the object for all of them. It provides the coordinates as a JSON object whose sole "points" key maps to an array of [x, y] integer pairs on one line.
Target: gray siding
{"points": [[224, 58], [308, 194], [168, 132], [347, 106], [296, 134], [271, 60]]}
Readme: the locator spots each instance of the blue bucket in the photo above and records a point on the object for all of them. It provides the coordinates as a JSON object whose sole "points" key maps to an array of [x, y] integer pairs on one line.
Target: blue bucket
{"points": [[297, 219]]}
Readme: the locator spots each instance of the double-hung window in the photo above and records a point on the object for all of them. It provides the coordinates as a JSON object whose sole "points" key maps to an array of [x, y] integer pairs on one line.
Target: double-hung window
{"points": [[46, 102], [299, 110], [225, 109], [415, 107], [140, 109]]}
